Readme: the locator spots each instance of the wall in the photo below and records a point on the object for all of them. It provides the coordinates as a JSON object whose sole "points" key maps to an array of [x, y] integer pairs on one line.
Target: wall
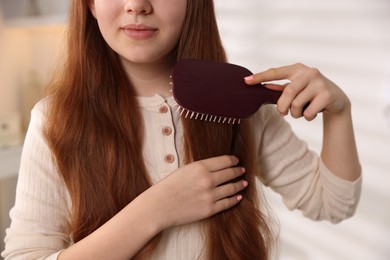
{"points": [[14, 53], [26, 66], [29, 47], [349, 41]]}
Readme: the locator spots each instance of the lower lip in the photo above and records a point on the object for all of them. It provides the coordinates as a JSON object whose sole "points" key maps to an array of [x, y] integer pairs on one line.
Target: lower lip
{"points": [[139, 34]]}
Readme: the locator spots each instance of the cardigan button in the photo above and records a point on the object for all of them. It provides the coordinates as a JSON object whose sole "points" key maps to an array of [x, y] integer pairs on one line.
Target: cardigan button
{"points": [[169, 158], [163, 109], [167, 131]]}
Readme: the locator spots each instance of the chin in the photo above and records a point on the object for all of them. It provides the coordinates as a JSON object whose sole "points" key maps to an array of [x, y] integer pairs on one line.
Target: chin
{"points": [[144, 59]]}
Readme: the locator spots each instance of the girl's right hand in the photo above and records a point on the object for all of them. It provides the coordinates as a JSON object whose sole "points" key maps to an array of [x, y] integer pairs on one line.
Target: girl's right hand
{"points": [[193, 192], [196, 191]]}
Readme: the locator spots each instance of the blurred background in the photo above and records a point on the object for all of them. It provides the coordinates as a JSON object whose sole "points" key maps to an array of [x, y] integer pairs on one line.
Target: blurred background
{"points": [[348, 40]]}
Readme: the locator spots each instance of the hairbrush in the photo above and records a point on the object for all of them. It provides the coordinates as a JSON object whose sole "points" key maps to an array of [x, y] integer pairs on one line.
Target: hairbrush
{"points": [[216, 91]]}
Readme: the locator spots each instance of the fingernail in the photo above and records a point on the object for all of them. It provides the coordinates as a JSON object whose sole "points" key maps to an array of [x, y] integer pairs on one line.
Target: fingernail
{"points": [[239, 197], [248, 78], [243, 170], [245, 183]]}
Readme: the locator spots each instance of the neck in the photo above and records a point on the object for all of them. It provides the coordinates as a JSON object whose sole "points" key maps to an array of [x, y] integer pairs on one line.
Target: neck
{"points": [[149, 79]]}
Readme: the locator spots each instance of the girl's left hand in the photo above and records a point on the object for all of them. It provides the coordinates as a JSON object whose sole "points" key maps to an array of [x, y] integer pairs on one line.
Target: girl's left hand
{"points": [[305, 86]]}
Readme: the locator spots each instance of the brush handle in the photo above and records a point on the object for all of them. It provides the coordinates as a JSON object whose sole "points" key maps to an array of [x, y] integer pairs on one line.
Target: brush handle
{"points": [[270, 96]]}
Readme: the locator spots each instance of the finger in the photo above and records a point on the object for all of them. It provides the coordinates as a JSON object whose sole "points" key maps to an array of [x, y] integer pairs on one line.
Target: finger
{"points": [[229, 189], [290, 94], [300, 103], [278, 87], [313, 109], [308, 103], [220, 162], [226, 175], [226, 203], [281, 73]]}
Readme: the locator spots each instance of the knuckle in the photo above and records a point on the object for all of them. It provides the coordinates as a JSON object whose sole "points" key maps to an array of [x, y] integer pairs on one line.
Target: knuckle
{"points": [[232, 201], [238, 187], [272, 71], [289, 91], [233, 172], [206, 182], [295, 115], [296, 104], [198, 167], [231, 160], [231, 189], [300, 65], [208, 199], [314, 72], [227, 159], [225, 204], [209, 210], [310, 117]]}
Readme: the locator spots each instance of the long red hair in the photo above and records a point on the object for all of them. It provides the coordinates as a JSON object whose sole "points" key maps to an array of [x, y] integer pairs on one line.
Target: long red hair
{"points": [[94, 134]]}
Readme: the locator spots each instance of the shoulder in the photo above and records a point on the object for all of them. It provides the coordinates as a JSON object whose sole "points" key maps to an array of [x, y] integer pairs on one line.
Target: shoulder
{"points": [[40, 109], [39, 112]]}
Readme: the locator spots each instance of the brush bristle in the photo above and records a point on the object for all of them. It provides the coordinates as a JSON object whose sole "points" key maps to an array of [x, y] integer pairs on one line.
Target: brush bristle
{"points": [[205, 117]]}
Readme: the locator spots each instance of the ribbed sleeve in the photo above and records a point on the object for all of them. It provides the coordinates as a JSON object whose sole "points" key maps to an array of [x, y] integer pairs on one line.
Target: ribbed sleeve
{"points": [[299, 175], [40, 215]]}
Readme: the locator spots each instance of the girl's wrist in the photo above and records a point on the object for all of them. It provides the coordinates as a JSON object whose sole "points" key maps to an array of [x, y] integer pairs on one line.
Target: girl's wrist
{"points": [[340, 108], [153, 212]]}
